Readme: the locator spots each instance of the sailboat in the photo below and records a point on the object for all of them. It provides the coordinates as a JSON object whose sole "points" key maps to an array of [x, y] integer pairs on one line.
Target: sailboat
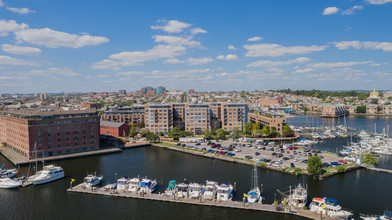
{"points": [[254, 194]]}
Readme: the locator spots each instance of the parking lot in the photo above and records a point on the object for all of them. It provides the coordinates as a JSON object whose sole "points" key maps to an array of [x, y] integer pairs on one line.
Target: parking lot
{"points": [[267, 152]]}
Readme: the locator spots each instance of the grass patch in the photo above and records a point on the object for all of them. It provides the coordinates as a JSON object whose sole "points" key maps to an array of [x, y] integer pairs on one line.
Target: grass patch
{"points": [[167, 144]]}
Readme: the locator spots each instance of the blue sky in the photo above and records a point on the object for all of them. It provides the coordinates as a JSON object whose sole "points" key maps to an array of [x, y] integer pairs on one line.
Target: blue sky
{"points": [[55, 46]]}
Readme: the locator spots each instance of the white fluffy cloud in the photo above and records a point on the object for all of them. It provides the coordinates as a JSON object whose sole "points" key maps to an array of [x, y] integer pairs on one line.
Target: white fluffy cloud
{"points": [[172, 26], [20, 10], [173, 61], [54, 71], [6, 60], [330, 10], [373, 45], [137, 58], [351, 10], [10, 26], [276, 50], [55, 39], [227, 57], [231, 47], [307, 70], [198, 31], [198, 61], [378, 2], [268, 63], [338, 64], [15, 49], [255, 39], [1, 3], [174, 40]]}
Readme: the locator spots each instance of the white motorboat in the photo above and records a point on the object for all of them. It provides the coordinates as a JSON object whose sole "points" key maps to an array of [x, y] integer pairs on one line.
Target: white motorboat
{"points": [[92, 180], [48, 174], [123, 183], [134, 184], [171, 188], [182, 190], [210, 190], [387, 216], [194, 190], [147, 186], [254, 194], [224, 192], [7, 183], [330, 207], [299, 198], [7, 172]]}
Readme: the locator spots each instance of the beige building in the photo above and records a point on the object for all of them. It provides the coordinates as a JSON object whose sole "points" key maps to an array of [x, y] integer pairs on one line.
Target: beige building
{"points": [[372, 109], [197, 118], [158, 118], [234, 115], [274, 121], [270, 101], [387, 109], [334, 111]]}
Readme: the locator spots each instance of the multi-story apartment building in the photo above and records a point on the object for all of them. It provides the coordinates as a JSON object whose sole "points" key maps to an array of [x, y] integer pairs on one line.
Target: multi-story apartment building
{"points": [[270, 101], [179, 115], [197, 118], [158, 118], [273, 121], [216, 117], [387, 109], [234, 115], [334, 111], [372, 109], [128, 114], [41, 133]]}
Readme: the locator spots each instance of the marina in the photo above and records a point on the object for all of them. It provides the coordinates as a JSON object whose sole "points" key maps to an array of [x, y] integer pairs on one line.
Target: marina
{"points": [[222, 204]]}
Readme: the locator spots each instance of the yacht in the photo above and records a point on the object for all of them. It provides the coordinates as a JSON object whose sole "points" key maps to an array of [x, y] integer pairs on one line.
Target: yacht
{"points": [[210, 190], [182, 190], [194, 190], [299, 198], [224, 192], [92, 180], [172, 188], [148, 186], [134, 184], [7, 173], [254, 194], [330, 207], [48, 174], [7, 183], [123, 183]]}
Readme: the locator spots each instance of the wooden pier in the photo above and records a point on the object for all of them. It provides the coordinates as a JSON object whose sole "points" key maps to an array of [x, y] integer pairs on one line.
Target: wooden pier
{"points": [[380, 170], [224, 204]]}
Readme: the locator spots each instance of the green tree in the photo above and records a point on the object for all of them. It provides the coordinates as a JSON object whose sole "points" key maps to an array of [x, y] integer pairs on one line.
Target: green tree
{"points": [[266, 130], [176, 133], [208, 135], [389, 98], [369, 159], [152, 137], [315, 166], [341, 169], [141, 125], [248, 127], [255, 127], [143, 132], [161, 134], [361, 109], [374, 101], [221, 134], [287, 131], [133, 131], [236, 133]]}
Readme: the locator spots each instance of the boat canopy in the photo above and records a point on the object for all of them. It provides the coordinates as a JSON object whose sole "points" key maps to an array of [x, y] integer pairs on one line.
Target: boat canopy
{"points": [[146, 183], [252, 194], [172, 181], [331, 200]]}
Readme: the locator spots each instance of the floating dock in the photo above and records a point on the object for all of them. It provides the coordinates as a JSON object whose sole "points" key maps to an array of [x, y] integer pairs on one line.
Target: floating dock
{"points": [[224, 204]]}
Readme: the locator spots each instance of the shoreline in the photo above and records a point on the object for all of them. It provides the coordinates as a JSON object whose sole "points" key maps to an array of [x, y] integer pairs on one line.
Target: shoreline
{"points": [[250, 162]]}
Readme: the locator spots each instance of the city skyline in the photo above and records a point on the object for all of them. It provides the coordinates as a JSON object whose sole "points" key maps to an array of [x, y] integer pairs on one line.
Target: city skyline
{"points": [[202, 45]]}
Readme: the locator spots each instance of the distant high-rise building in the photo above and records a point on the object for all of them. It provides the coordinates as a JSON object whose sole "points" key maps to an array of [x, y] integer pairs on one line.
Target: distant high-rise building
{"points": [[160, 90], [123, 92], [43, 96]]}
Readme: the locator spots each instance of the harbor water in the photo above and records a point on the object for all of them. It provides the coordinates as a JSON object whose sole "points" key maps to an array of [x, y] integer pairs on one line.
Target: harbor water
{"points": [[361, 191]]}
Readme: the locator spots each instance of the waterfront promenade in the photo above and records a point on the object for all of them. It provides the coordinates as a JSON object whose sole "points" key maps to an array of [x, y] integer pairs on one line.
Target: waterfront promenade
{"points": [[224, 204]]}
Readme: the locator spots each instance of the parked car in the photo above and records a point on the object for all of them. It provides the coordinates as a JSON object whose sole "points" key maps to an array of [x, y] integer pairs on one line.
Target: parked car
{"points": [[184, 145], [310, 154], [274, 153], [257, 153], [238, 150], [178, 144], [197, 144], [292, 165], [248, 157], [285, 158], [342, 161], [335, 163], [231, 154], [203, 149], [326, 165]]}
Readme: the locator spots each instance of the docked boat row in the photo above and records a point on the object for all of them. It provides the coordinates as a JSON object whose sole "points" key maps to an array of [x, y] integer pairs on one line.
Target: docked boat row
{"points": [[137, 184], [210, 191]]}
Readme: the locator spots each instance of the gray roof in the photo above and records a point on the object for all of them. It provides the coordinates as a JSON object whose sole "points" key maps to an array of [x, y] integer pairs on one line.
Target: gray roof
{"points": [[111, 124]]}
